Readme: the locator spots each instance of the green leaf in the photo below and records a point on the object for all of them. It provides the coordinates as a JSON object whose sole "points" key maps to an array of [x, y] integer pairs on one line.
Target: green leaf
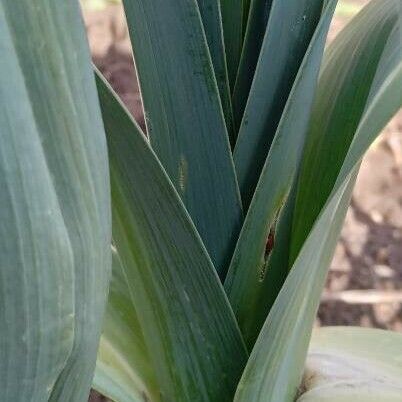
{"points": [[33, 237], [250, 287], [246, 12], [254, 34], [192, 338], [347, 364], [274, 369], [184, 117], [275, 366], [55, 204], [356, 65], [212, 21], [123, 368], [232, 20], [249, 262], [290, 28], [382, 108]]}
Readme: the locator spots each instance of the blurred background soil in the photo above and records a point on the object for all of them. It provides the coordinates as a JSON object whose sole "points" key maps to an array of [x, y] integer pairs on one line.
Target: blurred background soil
{"points": [[364, 286]]}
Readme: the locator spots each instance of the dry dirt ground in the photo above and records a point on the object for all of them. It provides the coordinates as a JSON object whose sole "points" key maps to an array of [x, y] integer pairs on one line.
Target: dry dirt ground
{"points": [[364, 285]]}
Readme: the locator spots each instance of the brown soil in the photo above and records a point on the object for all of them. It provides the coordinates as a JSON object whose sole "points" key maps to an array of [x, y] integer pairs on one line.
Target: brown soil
{"points": [[368, 257]]}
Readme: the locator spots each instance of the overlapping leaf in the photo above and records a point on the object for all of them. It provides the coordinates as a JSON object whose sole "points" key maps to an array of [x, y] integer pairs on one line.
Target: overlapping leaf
{"points": [[254, 34], [189, 330], [251, 289], [274, 370], [384, 88], [184, 117], [356, 66], [55, 204], [233, 15], [290, 28], [123, 368], [285, 336], [212, 20]]}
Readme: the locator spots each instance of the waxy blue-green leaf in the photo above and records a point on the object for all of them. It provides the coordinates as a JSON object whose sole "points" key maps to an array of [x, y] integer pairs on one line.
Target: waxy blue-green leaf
{"points": [[123, 368], [184, 117], [33, 238], [248, 284], [233, 14], [384, 105], [274, 369], [356, 66], [290, 28], [55, 203], [254, 34], [212, 21], [191, 335], [250, 258]]}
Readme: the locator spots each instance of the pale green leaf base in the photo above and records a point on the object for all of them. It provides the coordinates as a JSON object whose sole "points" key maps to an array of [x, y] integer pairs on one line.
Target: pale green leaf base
{"points": [[353, 365]]}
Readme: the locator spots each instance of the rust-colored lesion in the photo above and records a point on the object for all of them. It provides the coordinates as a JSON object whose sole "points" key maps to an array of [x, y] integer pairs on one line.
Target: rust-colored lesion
{"points": [[270, 244]]}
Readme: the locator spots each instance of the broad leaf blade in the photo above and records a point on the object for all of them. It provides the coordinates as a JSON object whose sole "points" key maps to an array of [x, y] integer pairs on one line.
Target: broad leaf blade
{"points": [[184, 117], [250, 286], [190, 332], [33, 237], [290, 28], [49, 41]]}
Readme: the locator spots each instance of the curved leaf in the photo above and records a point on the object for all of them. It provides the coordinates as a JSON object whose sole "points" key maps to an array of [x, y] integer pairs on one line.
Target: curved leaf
{"points": [[250, 259], [290, 28], [274, 369], [123, 369], [383, 107], [250, 285], [356, 65], [33, 237], [52, 64], [349, 364], [275, 366], [191, 335]]}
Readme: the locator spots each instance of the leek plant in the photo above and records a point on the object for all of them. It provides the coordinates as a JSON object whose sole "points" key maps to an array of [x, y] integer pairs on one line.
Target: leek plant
{"points": [[202, 245]]}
